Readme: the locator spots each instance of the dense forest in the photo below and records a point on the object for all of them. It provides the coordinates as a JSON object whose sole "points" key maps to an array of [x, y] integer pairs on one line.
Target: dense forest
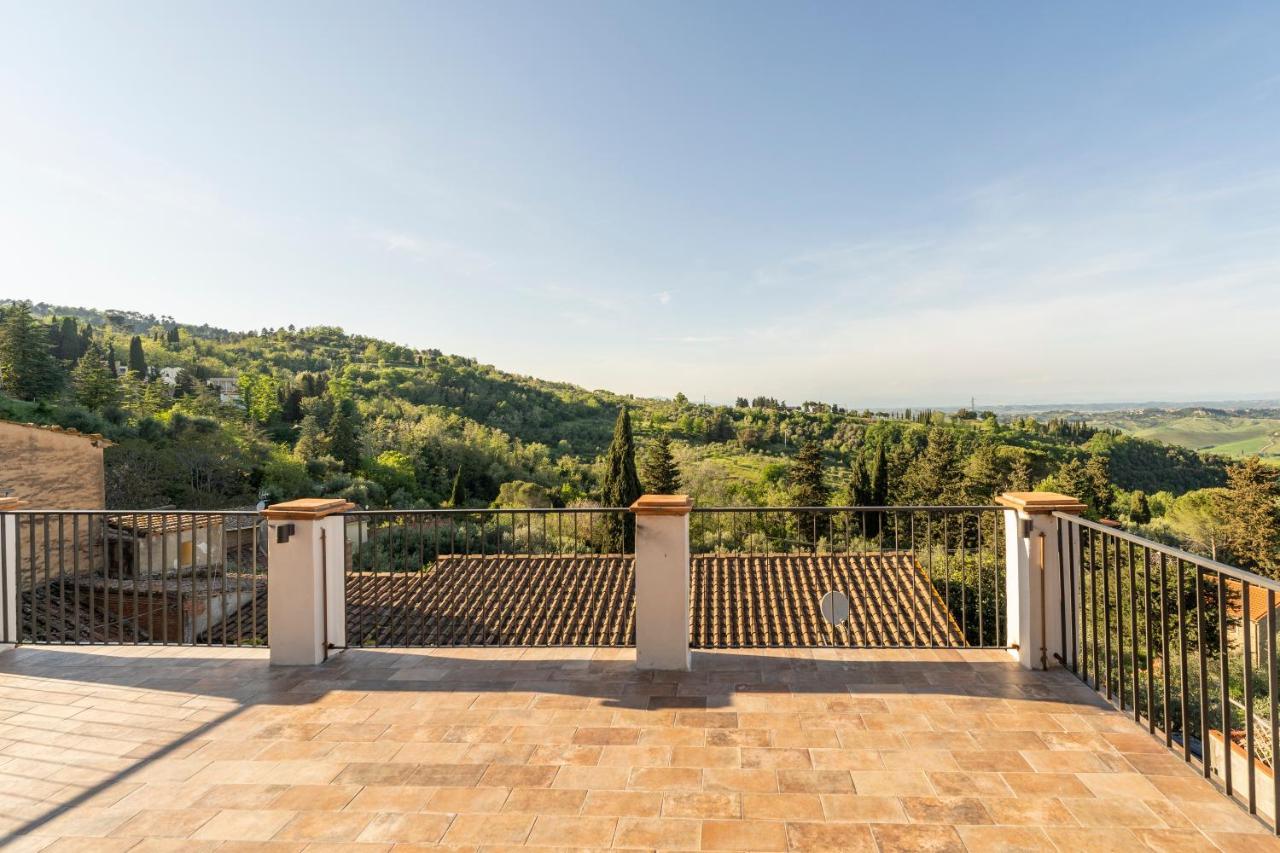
{"points": [[316, 411]]}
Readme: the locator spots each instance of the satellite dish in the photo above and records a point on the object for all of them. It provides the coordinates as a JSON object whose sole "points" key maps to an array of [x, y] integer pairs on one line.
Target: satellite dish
{"points": [[835, 607]]}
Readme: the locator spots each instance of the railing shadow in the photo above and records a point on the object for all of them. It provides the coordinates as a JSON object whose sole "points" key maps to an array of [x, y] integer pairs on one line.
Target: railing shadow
{"points": [[716, 682]]}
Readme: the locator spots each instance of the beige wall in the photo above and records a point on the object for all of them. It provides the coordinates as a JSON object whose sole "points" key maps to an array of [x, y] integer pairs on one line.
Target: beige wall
{"points": [[51, 470]]}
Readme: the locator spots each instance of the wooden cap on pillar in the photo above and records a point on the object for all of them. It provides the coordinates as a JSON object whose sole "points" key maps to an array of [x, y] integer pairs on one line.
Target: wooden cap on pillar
{"points": [[11, 503], [662, 505], [1034, 503], [305, 509]]}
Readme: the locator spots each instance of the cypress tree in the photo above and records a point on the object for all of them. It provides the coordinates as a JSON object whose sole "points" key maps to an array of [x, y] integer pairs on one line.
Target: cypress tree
{"points": [[137, 359], [621, 484], [69, 341], [878, 492], [344, 435], [1139, 507], [111, 359], [458, 493], [661, 475], [808, 489]]}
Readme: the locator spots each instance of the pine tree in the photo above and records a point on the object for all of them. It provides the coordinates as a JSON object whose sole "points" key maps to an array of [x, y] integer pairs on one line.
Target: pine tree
{"points": [[1020, 476], [621, 484], [1102, 495], [111, 360], [1251, 514], [311, 444], [94, 384], [28, 370], [344, 435], [137, 359], [173, 335], [661, 475]]}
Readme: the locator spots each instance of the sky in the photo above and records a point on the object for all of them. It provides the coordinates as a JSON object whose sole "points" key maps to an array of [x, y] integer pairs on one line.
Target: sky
{"points": [[874, 204]]}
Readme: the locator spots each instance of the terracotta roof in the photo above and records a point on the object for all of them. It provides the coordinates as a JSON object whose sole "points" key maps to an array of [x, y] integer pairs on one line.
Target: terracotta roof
{"points": [[95, 437], [161, 522], [521, 600]]}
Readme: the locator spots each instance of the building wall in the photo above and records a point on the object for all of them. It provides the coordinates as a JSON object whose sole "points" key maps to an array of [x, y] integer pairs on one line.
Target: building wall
{"points": [[50, 469], [53, 470]]}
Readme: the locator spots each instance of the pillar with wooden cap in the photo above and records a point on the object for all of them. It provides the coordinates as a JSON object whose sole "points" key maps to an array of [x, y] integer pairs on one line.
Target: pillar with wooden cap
{"points": [[306, 596], [9, 571], [1034, 584], [662, 581]]}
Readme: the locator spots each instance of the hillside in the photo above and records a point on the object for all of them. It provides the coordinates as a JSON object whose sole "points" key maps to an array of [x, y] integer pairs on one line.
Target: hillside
{"points": [[319, 411], [1234, 434]]}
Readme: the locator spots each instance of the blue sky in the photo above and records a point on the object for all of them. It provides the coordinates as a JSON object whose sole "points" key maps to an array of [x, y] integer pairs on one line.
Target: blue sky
{"points": [[875, 204]]}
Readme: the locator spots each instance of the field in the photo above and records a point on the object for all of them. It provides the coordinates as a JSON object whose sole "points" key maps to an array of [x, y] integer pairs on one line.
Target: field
{"points": [[1228, 433]]}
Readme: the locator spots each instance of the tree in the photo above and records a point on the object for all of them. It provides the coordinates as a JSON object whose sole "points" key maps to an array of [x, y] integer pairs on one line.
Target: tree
{"points": [[1251, 516], [935, 477], [137, 359], [1139, 508], [69, 340], [878, 482], [111, 359], [28, 370], [311, 442], [173, 336], [661, 475], [621, 484], [521, 494], [458, 492], [1020, 475], [1198, 518], [95, 386], [1103, 495], [808, 488], [344, 435]]}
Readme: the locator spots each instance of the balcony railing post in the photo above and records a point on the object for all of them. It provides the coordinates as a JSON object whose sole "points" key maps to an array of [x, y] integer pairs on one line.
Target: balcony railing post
{"points": [[9, 632], [305, 594], [662, 581], [1034, 582]]}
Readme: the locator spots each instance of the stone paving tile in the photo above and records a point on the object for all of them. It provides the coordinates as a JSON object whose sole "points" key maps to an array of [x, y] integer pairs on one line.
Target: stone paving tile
{"points": [[176, 749]]}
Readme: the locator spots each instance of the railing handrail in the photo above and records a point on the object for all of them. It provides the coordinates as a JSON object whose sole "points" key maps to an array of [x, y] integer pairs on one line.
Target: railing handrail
{"points": [[38, 511], [576, 510], [908, 508], [1251, 578]]}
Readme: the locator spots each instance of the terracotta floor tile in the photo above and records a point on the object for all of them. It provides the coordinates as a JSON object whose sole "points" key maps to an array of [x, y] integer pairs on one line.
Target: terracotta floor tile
{"points": [[405, 828], [1112, 813], [1029, 811], [391, 798], [1239, 842], [549, 801], [623, 803], [658, 833], [605, 736], [909, 838], [756, 835], [1175, 840], [573, 831], [831, 837], [700, 804], [468, 800], [592, 778], [782, 807], [743, 781], [775, 759], [243, 825], [863, 809], [1064, 761], [1046, 785], [1110, 840], [958, 811], [891, 783], [962, 784], [814, 782], [665, 779], [993, 761], [1004, 839], [316, 797], [323, 826], [489, 829], [637, 756], [164, 823]]}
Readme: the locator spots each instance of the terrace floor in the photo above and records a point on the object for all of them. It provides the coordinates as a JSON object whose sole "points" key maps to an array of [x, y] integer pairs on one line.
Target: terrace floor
{"points": [[166, 748]]}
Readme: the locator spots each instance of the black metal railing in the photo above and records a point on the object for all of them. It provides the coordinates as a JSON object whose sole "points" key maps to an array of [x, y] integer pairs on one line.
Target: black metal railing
{"points": [[490, 577], [139, 577], [915, 577], [1184, 643]]}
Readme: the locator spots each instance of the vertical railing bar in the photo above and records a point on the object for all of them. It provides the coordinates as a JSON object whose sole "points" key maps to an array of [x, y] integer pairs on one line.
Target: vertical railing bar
{"points": [[1164, 650], [1146, 610], [1106, 618], [1247, 624], [1224, 674], [1273, 684], [1133, 633], [137, 557], [1183, 687], [1205, 760]]}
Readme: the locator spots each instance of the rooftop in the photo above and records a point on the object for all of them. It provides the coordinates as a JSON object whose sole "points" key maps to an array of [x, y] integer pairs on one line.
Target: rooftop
{"points": [[201, 749]]}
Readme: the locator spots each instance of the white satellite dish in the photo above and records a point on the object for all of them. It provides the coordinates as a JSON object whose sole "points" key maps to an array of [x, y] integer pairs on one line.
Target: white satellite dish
{"points": [[835, 607]]}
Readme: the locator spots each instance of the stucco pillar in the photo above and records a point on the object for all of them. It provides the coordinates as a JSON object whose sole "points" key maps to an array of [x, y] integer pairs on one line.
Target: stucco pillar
{"points": [[1033, 576], [9, 572], [306, 596], [662, 581]]}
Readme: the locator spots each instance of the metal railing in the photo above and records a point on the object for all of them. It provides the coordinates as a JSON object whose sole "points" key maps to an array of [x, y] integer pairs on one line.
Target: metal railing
{"points": [[1171, 637], [913, 576], [490, 577], [139, 577]]}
